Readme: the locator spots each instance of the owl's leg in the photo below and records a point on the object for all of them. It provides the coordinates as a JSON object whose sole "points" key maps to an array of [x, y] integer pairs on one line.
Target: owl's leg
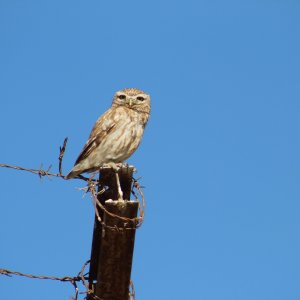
{"points": [[116, 169], [120, 193]]}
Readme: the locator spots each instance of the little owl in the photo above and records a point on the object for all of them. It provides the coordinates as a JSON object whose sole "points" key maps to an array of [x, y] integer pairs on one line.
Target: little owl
{"points": [[116, 134]]}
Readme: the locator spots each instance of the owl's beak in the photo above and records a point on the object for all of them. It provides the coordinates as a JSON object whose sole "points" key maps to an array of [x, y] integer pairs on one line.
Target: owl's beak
{"points": [[130, 101]]}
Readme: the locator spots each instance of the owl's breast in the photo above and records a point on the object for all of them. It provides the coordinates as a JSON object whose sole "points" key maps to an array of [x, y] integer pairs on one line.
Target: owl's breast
{"points": [[123, 139]]}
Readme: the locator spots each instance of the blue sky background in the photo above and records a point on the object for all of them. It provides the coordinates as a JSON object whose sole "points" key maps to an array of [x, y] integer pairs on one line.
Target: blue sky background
{"points": [[219, 159]]}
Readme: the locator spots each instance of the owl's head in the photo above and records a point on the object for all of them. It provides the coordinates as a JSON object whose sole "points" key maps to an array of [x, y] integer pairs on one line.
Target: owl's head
{"points": [[134, 99]]}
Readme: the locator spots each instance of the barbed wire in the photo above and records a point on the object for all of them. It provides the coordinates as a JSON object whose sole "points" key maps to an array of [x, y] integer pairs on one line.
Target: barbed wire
{"points": [[73, 280], [62, 151], [91, 184], [46, 173], [91, 187], [131, 291], [136, 222]]}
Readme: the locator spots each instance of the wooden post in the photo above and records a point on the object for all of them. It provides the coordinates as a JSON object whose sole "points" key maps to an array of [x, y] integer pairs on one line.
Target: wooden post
{"points": [[113, 243]]}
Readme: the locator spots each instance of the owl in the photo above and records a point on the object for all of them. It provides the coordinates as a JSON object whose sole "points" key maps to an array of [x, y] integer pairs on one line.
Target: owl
{"points": [[116, 134]]}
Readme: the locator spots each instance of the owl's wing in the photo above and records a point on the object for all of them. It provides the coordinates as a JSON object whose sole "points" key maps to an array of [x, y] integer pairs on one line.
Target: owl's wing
{"points": [[100, 130]]}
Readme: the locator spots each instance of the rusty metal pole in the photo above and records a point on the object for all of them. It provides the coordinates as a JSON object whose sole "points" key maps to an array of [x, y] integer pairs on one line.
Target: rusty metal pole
{"points": [[113, 244]]}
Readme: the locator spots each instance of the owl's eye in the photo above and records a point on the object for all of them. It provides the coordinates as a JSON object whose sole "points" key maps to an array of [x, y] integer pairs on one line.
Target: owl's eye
{"points": [[140, 98], [122, 97]]}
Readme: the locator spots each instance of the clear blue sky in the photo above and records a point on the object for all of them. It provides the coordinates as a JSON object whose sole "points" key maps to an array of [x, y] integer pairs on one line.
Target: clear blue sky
{"points": [[219, 159]]}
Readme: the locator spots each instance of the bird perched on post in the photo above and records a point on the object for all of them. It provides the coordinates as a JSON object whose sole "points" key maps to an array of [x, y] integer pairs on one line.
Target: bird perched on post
{"points": [[116, 134]]}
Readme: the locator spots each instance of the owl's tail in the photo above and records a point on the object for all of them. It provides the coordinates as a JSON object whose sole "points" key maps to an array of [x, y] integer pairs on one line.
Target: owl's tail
{"points": [[74, 172]]}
